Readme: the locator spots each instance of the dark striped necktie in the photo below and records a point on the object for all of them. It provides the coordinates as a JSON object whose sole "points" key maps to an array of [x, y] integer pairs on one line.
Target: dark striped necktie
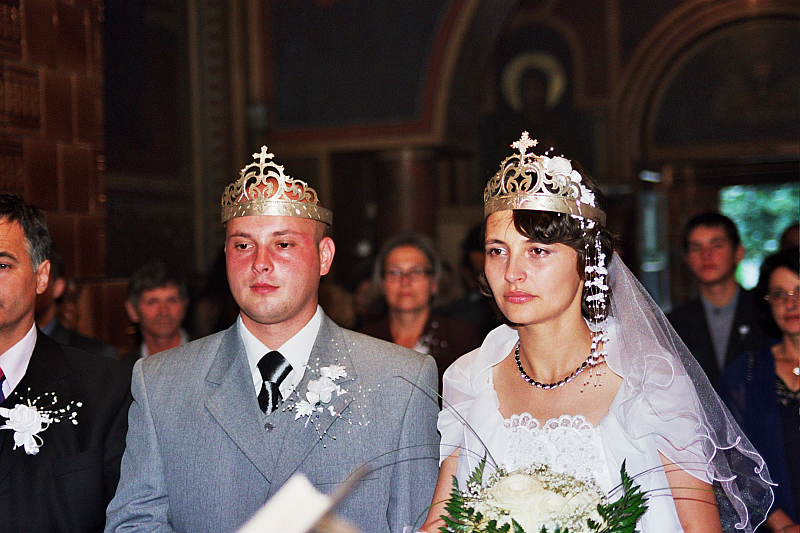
{"points": [[274, 368]]}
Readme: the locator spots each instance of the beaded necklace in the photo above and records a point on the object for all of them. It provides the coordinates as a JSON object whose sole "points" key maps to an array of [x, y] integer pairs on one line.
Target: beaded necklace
{"points": [[592, 361]]}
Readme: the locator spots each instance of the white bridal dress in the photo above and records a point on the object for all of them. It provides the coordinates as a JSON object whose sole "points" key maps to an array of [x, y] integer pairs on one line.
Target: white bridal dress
{"points": [[664, 404]]}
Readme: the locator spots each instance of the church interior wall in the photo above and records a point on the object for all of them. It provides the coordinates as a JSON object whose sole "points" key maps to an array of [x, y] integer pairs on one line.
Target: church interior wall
{"points": [[126, 119]]}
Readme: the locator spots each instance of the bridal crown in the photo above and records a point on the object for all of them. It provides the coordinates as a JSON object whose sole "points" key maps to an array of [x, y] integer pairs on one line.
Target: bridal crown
{"points": [[263, 189], [529, 181]]}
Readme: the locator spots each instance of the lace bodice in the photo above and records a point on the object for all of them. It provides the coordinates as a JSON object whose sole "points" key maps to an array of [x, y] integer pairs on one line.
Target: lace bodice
{"points": [[567, 444]]}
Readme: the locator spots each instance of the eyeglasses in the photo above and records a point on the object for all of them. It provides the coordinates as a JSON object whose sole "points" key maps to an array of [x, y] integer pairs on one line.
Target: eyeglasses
{"points": [[413, 275], [779, 296]]}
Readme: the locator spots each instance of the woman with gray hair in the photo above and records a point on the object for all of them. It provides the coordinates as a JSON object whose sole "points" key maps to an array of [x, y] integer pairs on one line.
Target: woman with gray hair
{"points": [[406, 278]]}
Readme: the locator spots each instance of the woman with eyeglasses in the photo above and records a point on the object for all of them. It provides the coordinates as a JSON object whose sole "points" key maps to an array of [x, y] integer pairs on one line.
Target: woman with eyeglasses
{"points": [[761, 389], [405, 279]]}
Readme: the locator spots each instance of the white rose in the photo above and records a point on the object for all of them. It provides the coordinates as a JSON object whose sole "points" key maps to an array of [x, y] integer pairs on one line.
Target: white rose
{"points": [[320, 390], [550, 502], [24, 419], [26, 422], [515, 492]]}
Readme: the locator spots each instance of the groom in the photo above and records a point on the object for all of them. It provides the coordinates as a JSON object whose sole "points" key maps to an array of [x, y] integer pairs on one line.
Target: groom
{"points": [[217, 426]]}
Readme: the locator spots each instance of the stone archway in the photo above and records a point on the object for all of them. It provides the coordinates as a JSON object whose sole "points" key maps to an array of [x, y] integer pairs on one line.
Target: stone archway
{"points": [[648, 72], [693, 167]]}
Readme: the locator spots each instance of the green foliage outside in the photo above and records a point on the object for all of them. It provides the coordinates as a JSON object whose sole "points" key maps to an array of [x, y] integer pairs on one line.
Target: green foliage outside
{"points": [[761, 212]]}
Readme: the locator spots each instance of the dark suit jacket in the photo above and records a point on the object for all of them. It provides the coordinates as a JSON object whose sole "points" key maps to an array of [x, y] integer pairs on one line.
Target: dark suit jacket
{"points": [[87, 344], [67, 485], [747, 331]]}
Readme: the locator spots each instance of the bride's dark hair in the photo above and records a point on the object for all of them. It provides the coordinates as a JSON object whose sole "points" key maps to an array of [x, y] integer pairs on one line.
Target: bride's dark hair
{"points": [[549, 227]]}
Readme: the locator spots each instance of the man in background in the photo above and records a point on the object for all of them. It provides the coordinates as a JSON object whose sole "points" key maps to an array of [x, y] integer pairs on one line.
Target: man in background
{"points": [[63, 411], [157, 302], [47, 314], [724, 320]]}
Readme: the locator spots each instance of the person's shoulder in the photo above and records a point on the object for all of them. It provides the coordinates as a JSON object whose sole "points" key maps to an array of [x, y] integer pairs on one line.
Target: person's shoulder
{"points": [[460, 331], [361, 344], [685, 312], [744, 368], [193, 352], [401, 373], [690, 304], [490, 352], [91, 371], [758, 358], [89, 344], [378, 361], [464, 363], [376, 327], [751, 299]]}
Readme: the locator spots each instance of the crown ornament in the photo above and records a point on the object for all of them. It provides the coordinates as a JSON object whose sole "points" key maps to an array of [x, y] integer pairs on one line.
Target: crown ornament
{"points": [[529, 181], [264, 189]]}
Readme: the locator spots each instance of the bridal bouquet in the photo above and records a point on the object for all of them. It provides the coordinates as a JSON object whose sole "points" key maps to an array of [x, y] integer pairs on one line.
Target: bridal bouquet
{"points": [[536, 499]]}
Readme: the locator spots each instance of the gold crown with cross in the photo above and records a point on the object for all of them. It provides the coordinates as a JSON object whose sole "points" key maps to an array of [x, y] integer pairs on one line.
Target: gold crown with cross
{"points": [[264, 189]]}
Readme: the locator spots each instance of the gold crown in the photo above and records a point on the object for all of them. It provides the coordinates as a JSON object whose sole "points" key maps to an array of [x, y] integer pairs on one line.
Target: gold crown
{"points": [[263, 189], [529, 181]]}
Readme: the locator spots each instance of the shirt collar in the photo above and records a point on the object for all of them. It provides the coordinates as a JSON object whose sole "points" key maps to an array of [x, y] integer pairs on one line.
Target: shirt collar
{"points": [[14, 361], [728, 307], [296, 350]]}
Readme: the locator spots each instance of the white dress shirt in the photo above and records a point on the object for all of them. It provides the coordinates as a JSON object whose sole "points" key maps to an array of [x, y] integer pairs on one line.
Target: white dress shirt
{"points": [[14, 361], [296, 350]]}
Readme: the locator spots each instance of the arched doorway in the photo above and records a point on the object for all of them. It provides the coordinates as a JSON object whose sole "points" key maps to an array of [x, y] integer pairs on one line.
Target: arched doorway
{"points": [[709, 100]]}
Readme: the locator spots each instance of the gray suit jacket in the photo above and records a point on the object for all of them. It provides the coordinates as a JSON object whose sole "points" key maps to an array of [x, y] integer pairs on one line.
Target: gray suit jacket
{"points": [[198, 458]]}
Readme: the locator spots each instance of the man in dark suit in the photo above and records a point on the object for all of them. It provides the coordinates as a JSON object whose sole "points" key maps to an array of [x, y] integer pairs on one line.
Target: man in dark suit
{"points": [[47, 314], [63, 412], [725, 320]]}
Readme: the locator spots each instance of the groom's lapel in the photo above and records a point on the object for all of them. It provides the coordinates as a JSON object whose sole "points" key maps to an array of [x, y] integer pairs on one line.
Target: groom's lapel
{"points": [[234, 406], [303, 434]]}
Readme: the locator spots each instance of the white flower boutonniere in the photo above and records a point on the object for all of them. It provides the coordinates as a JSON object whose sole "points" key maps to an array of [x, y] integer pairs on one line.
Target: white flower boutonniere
{"points": [[320, 391], [27, 421]]}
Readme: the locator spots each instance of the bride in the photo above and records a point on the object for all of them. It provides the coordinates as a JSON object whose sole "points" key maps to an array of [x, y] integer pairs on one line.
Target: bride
{"points": [[587, 373]]}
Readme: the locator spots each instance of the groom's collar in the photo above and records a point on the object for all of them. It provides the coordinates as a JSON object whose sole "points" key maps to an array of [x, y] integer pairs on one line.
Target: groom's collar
{"points": [[296, 350]]}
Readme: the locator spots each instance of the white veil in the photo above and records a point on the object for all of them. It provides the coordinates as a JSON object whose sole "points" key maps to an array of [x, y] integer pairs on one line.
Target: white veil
{"points": [[653, 357]]}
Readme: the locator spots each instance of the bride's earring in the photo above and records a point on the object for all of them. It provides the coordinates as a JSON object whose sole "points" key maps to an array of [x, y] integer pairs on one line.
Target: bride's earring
{"points": [[596, 302]]}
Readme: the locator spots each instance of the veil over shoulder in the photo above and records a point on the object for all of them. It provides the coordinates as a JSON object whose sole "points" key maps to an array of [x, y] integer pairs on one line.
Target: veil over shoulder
{"points": [[650, 350]]}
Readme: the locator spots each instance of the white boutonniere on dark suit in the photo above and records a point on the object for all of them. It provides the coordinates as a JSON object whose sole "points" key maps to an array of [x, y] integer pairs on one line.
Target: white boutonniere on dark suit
{"points": [[27, 420]]}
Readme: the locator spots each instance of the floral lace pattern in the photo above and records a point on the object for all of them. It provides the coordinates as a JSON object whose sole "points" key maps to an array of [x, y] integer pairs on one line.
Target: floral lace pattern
{"points": [[568, 444]]}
